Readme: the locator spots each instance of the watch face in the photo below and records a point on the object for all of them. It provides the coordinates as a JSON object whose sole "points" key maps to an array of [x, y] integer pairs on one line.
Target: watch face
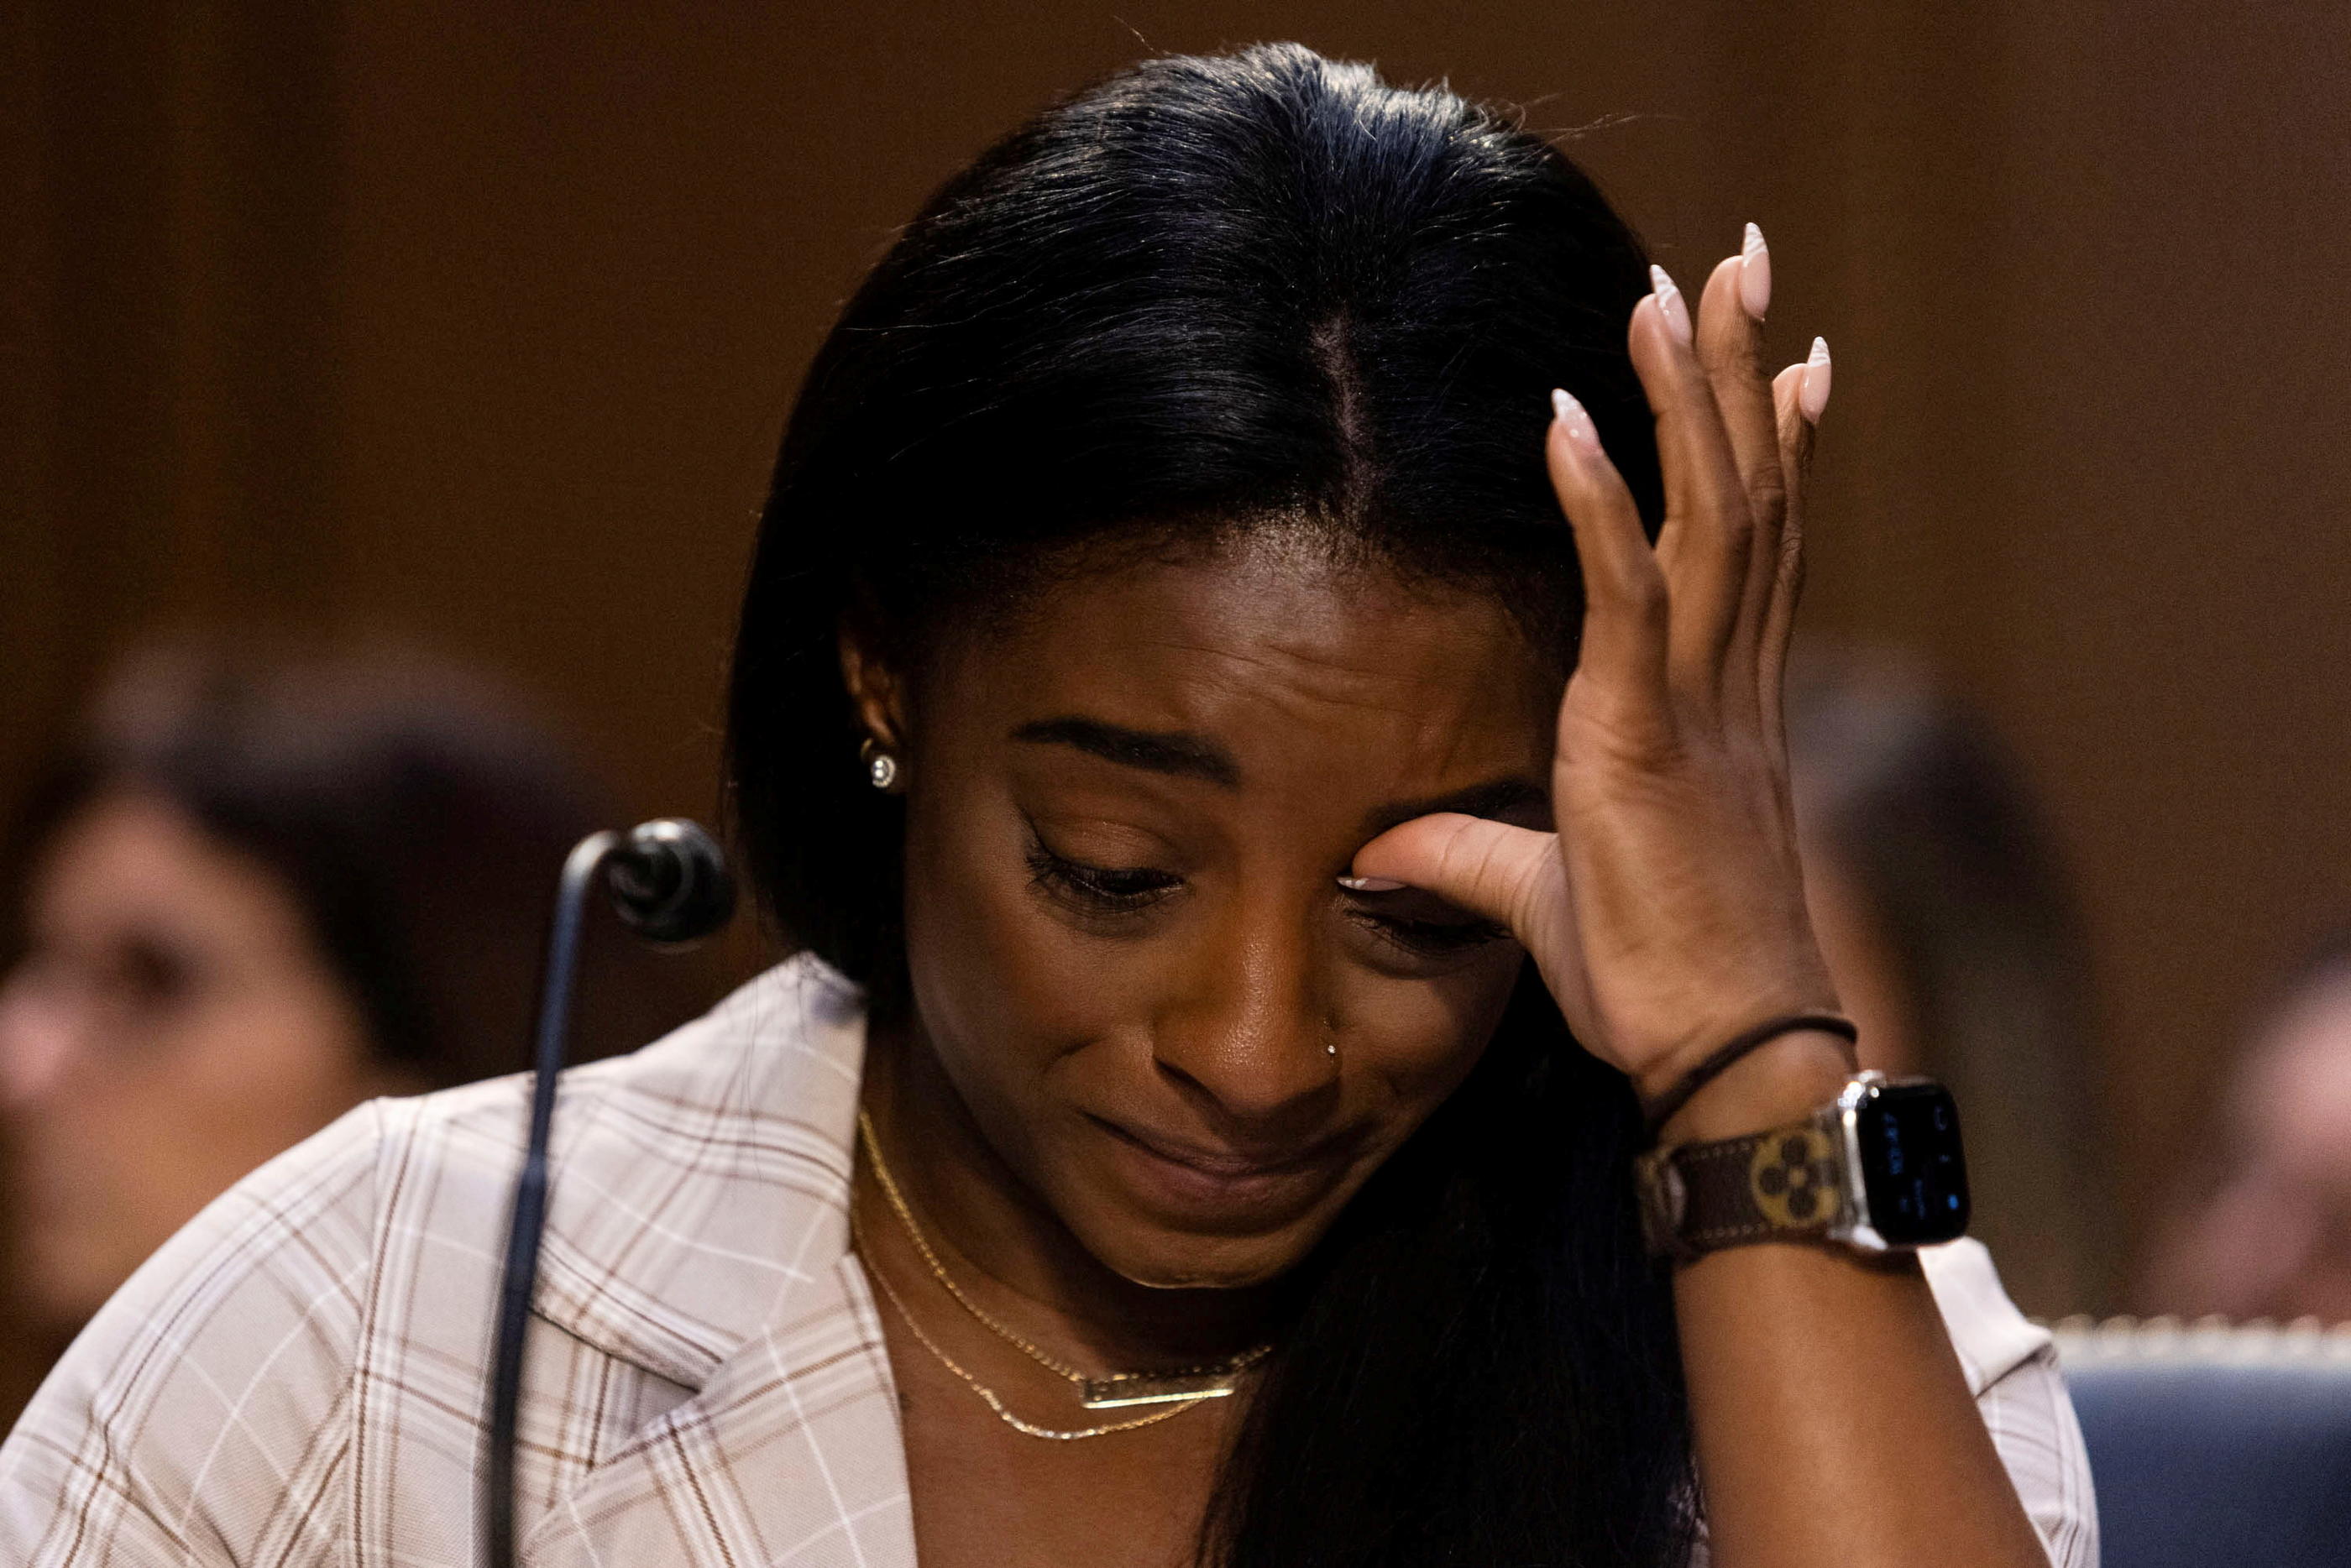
{"points": [[1911, 1167]]}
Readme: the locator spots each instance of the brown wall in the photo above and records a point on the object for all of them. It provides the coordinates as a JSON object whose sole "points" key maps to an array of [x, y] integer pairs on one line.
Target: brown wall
{"points": [[477, 319]]}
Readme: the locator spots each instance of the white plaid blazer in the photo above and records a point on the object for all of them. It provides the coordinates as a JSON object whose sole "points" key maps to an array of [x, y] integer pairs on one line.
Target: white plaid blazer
{"points": [[299, 1378]]}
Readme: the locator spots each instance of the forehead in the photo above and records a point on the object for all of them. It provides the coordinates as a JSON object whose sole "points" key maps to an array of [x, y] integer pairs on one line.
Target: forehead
{"points": [[1265, 635], [132, 857]]}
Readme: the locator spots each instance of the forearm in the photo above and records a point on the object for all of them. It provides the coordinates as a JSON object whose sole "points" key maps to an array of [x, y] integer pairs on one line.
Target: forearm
{"points": [[1832, 1423]]}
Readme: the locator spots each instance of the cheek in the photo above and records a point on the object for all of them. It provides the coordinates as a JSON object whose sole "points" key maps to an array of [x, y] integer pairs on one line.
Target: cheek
{"points": [[139, 1135], [1415, 1040], [1002, 988], [221, 1088]]}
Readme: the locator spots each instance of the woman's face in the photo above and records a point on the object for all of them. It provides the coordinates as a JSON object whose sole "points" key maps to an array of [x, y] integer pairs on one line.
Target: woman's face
{"points": [[1130, 952], [171, 1027]]}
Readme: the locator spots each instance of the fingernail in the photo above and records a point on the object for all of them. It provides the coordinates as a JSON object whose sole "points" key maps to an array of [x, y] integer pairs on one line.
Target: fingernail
{"points": [[1813, 396], [1754, 273], [1369, 884], [1670, 304], [1575, 422]]}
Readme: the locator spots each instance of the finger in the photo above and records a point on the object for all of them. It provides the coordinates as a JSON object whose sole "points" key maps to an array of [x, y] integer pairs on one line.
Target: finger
{"points": [[1794, 442], [1510, 875], [1730, 347], [1622, 645], [1702, 548]]}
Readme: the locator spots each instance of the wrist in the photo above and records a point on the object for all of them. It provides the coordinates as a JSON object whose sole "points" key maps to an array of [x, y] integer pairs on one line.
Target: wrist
{"points": [[1708, 1023], [1783, 1080]]}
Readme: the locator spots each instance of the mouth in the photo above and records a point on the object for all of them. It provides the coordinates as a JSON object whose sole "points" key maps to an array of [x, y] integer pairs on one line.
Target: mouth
{"points": [[1189, 1182]]}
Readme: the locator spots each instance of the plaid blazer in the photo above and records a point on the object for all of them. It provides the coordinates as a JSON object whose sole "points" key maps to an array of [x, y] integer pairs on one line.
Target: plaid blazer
{"points": [[299, 1378]]}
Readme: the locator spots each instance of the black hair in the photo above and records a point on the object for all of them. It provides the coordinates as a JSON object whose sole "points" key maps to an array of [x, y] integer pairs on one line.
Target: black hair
{"points": [[1205, 295], [416, 814]]}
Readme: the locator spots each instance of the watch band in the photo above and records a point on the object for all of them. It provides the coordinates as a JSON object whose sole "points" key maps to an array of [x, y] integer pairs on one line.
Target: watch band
{"points": [[1783, 1184]]}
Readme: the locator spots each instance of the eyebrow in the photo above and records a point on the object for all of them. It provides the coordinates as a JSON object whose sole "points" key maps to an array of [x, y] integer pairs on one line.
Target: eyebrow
{"points": [[1497, 799], [1183, 755], [1171, 752]]}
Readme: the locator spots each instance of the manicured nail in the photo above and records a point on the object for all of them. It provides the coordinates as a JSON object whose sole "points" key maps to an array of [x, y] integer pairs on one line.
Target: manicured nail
{"points": [[1670, 304], [1575, 422], [1813, 396], [1754, 273], [1369, 884]]}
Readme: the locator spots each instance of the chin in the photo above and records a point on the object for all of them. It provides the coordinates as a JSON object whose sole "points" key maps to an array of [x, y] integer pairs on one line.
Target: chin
{"points": [[1151, 1257], [63, 1288]]}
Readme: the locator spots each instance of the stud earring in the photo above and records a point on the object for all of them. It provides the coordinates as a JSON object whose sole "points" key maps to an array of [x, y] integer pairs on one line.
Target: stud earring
{"points": [[880, 766], [1330, 1048]]}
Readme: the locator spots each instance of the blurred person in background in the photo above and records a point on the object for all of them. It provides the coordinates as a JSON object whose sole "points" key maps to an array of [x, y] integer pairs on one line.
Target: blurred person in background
{"points": [[2268, 1233], [1945, 918], [258, 890]]}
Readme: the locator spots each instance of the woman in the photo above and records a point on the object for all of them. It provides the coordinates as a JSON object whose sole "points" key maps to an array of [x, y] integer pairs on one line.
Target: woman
{"points": [[1149, 695], [1952, 938], [2261, 1226], [260, 888]]}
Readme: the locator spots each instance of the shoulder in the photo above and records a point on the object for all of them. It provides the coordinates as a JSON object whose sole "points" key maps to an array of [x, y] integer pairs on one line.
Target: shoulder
{"points": [[167, 1424], [335, 1303], [689, 1182], [1991, 1337], [2011, 1364]]}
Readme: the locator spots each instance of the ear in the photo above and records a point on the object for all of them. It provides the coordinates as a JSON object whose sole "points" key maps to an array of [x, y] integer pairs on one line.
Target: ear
{"points": [[876, 690]]}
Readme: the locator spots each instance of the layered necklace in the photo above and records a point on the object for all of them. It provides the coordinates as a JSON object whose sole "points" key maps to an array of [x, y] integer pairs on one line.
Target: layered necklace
{"points": [[1177, 1391]]}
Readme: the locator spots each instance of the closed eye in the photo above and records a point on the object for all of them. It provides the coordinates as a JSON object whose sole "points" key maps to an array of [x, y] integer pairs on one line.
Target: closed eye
{"points": [[1426, 934], [1097, 889]]}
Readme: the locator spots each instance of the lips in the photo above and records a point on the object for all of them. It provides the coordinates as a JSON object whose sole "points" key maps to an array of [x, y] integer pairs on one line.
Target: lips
{"points": [[1222, 1183]]}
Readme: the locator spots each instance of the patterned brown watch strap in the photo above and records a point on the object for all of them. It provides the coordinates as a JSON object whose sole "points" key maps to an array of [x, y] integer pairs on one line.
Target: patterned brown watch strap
{"points": [[1764, 1187]]}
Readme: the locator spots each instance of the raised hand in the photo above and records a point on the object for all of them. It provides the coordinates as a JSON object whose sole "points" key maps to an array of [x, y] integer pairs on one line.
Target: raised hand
{"points": [[1667, 913]]}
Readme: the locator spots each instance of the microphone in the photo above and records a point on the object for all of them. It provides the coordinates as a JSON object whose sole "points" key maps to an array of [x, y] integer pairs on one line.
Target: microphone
{"points": [[668, 881]]}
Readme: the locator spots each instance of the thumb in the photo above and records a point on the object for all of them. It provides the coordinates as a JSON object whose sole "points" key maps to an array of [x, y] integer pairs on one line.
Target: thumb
{"points": [[1490, 868]]}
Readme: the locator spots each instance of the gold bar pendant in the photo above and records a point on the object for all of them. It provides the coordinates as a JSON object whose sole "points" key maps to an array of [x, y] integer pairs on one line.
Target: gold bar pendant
{"points": [[1114, 1393]]}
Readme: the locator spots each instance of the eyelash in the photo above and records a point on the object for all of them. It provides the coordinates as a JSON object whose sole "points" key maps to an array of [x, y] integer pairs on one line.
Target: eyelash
{"points": [[1101, 889], [1124, 890], [1434, 938]]}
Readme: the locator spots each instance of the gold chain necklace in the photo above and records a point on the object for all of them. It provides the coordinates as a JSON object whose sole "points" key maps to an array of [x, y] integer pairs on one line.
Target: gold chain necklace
{"points": [[1185, 1386], [987, 1395]]}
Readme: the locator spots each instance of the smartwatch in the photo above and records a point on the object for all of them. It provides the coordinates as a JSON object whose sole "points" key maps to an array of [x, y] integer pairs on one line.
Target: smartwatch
{"points": [[1878, 1169]]}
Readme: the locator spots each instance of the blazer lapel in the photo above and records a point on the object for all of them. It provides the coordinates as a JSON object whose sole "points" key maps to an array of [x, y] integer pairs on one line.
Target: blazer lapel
{"points": [[791, 1454], [730, 1273]]}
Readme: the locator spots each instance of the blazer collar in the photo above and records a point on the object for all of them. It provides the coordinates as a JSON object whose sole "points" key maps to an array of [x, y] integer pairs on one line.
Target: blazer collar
{"points": [[671, 1264], [730, 1274]]}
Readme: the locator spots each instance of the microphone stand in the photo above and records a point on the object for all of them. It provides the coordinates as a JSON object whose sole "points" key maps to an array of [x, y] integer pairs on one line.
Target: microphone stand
{"points": [[669, 882]]}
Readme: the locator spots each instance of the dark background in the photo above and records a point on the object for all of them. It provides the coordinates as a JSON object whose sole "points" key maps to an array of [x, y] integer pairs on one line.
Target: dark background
{"points": [[476, 321]]}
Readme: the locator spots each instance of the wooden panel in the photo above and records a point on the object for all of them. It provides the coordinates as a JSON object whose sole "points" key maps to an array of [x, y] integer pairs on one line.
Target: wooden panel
{"points": [[478, 320]]}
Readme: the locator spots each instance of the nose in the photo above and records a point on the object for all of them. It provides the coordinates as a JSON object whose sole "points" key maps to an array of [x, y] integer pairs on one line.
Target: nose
{"points": [[38, 1035], [1251, 1029]]}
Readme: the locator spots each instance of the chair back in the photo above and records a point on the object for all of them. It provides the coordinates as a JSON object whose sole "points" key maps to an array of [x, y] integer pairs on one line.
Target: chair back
{"points": [[2214, 1445]]}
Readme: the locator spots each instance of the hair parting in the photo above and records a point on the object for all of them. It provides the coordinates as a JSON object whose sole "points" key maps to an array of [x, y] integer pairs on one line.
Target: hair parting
{"points": [[1236, 294]]}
